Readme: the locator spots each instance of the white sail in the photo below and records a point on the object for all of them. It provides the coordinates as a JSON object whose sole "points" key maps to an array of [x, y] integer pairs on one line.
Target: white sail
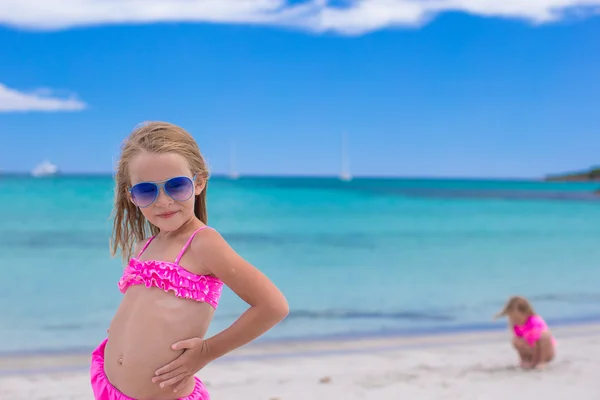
{"points": [[45, 169], [345, 174]]}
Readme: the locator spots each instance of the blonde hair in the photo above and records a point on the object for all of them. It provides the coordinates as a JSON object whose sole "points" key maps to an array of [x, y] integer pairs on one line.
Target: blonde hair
{"points": [[129, 224], [519, 304]]}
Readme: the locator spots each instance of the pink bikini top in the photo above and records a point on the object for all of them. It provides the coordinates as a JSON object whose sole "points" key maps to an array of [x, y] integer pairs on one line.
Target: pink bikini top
{"points": [[532, 329], [172, 277]]}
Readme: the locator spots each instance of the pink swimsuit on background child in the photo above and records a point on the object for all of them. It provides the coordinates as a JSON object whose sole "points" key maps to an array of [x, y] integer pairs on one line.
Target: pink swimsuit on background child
{"points": [[532, 330], [169, 277]]}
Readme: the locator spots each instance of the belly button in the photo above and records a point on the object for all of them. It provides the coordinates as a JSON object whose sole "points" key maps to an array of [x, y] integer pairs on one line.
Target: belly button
{"points": [[120, 361]]}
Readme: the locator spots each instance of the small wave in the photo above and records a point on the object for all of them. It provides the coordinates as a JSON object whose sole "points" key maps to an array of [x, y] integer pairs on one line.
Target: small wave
{"points": [[406, 189], [503, 195], [63, 327], [347, 240], [398, 315], [67, 239], [54, 239], [358, 314], [573, 298], [496, 194]]}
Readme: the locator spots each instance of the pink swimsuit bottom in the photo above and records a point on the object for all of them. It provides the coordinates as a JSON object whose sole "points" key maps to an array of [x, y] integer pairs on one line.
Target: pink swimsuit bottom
{"points": [[169, 277], [531, 331], [104, 390]]}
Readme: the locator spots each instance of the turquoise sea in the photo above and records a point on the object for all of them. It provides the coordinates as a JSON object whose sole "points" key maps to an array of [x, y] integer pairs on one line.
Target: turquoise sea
{"points": [[369, 256]]}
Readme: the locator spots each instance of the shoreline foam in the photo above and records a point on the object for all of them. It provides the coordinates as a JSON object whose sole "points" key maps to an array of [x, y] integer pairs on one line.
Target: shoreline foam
{"points": [[315, 347], [482, 327]]}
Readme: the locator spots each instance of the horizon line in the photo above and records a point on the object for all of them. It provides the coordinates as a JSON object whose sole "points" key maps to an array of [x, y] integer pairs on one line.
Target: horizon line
{"points": [[307, 176]]}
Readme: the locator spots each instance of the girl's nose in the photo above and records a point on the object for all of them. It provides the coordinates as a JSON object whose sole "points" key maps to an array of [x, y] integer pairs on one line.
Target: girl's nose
{"points": [[163, 198]]}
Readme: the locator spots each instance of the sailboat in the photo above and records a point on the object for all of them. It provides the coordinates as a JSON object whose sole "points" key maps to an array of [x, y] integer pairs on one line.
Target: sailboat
{"points": [[44, 169], [233, 173], [345, 160]]}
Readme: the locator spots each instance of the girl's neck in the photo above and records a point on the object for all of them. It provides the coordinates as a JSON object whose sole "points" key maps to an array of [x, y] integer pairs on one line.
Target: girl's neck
{"points": [[185, 229]]}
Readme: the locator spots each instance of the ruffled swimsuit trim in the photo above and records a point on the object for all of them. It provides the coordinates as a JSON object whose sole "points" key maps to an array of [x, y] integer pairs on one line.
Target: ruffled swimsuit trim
{"points": [[172, 277], [531, 331]]}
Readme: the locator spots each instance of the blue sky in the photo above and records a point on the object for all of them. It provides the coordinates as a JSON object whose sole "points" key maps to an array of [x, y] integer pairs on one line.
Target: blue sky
{"points": [[476, 90]]}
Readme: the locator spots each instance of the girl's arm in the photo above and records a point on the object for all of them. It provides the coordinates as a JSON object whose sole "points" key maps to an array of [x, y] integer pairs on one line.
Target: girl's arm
{"points": [[268, 306], [535, 357]]}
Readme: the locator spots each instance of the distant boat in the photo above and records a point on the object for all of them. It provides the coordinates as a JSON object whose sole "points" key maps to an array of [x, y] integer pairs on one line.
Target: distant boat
{"points": [[345, 174], [45, 169], [233, 173]]}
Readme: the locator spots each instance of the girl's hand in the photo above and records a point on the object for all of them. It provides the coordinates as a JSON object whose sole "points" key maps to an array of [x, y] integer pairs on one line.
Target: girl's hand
{"points": [[178, 371], [526, 364]]}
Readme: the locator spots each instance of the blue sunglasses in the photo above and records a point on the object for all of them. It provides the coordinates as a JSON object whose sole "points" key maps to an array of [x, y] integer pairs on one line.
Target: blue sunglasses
{"points": [[180, 188]]}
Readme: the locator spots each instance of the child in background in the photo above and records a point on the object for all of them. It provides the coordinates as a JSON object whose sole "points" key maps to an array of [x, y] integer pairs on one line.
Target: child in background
{"points": [[173, 279], [532, 339]]}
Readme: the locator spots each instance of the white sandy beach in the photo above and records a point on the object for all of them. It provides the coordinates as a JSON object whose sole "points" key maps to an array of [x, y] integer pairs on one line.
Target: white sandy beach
{"points": [[478, 366]]}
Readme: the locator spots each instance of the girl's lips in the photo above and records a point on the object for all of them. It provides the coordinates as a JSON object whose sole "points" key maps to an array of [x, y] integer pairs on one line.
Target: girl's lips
{"points": [[167, 214]]}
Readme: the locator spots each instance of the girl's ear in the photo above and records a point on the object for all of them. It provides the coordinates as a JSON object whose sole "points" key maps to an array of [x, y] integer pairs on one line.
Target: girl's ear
{"points": [[199, 185], [130, 198]]}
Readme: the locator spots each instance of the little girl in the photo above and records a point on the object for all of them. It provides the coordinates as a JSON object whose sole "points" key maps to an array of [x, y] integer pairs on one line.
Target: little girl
{"points": [[173, 279], [533, 341]]}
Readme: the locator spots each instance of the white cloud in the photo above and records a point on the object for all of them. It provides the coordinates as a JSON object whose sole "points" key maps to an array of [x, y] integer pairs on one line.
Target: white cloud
{"points": [[12, 100], [352, 18]]}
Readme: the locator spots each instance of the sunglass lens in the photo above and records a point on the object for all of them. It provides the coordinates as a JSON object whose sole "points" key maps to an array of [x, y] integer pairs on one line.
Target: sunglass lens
{"points": [[180, 188], [144, 194]]}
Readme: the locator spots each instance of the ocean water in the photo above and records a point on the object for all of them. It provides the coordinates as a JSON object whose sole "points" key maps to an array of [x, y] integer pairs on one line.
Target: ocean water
{"points": [[369, 256]]}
